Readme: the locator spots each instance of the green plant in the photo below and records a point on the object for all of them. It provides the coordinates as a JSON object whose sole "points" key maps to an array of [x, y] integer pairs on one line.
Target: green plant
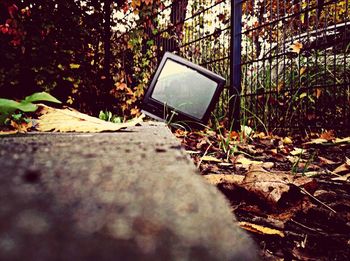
{"points": [[108, 116], [10, 108]]}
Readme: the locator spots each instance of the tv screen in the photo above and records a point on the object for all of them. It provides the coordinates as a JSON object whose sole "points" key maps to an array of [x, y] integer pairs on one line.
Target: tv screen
{"points": [[182, 91]]}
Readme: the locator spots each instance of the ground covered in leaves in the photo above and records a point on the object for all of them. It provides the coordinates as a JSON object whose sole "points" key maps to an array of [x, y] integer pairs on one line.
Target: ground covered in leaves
{"points": [[291, 193]]}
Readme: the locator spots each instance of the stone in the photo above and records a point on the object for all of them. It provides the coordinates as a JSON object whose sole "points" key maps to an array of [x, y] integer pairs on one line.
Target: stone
{"points": [[131, 195]]}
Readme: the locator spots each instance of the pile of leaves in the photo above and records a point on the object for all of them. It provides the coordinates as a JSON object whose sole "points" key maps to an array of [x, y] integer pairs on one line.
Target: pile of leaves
{"points": [[291, 193]]}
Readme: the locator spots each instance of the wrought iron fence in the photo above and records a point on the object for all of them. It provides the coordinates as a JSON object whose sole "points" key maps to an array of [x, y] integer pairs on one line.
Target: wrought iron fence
{"points": [[295, 63], [287, 63]]}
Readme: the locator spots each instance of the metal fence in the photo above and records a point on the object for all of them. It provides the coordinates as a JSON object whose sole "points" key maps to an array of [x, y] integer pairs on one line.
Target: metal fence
{"points": [[287, 63], [295, 63]]}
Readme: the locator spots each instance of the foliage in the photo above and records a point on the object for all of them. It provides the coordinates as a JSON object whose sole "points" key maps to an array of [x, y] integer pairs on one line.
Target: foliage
{"points": [[8, 108], [108, 116]]}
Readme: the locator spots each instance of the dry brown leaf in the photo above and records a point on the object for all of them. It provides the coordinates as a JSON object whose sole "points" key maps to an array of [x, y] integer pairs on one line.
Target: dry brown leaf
{"points": [[345, 177], [22, 127], [272, 185], [325, 161], [69, 120], [342, 168], [268, 165], [227, 181], [328, 135], [245, 162], [318, 93], [260, 229]]}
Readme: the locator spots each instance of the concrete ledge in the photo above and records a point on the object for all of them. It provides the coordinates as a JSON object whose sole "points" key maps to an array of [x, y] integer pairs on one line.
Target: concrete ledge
{"points": [[130, 195]]}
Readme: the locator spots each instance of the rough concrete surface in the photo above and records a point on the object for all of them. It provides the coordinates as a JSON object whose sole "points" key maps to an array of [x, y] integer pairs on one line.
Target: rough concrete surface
{"points": [[130, 195]]}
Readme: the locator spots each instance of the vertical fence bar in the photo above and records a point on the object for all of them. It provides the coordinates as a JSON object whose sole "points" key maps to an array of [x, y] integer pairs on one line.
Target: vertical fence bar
{"points": [[235, 64]]}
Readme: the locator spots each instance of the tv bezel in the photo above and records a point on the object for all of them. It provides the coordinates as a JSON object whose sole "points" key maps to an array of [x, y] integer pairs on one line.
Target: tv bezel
{"points": [[155, 108]]}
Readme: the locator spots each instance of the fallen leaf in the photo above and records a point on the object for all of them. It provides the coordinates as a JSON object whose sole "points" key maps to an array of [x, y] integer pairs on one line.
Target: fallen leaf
{"points": [[192, 152], [342, 168], [287, 141], [344, 140], [226, 181], [245, 162], [325, 161], [225, 164], [259, 135], [210, 158], [318, 93], [316, 141], [10, 132], [313, 173], [328, 135], [268, 165], [22, 127], [260, 229], [70, 120], [297, 151], [246, 130], [271, 186], [345, 177]]}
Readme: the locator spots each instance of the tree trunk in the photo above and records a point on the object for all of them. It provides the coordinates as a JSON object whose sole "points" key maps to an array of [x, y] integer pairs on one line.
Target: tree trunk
{"points": [[107, 43]]}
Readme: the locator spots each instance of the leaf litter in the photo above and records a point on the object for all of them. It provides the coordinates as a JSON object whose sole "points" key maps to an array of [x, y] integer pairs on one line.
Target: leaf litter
{"points": [[50, 119], [291, 193]]}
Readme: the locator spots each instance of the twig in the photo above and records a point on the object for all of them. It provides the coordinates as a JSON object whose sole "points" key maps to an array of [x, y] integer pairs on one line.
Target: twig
{"points": [[316, 199], [306, 227], [205, 153]]}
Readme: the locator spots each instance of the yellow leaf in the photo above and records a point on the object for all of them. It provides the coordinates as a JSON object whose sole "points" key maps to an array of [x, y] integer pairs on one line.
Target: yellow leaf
{"points": [[303, 95], [10, 132], [21, 127], [344, 140], [287, 140], [260, 229], [246, 163], [74, 66], [296, 47], [297, 151], [136, 3], [210, 158], [69, 120], [121, 86], [316, 141]]}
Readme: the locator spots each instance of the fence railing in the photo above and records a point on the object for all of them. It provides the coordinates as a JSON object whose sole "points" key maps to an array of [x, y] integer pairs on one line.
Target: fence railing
{"points": [[287, 63]]}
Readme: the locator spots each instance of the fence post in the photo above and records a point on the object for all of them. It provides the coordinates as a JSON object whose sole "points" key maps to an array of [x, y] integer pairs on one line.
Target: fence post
{"points": [[235, 63]]}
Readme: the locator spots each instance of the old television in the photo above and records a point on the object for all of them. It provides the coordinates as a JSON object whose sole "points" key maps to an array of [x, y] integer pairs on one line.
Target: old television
{"points": [[182, 92]]}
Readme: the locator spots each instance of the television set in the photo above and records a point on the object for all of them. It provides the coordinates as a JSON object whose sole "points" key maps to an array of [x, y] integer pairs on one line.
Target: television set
{"points": [[182, 92]]}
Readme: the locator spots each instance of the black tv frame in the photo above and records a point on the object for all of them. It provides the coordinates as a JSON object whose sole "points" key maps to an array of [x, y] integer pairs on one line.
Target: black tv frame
{"points": [[155, 108]]}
